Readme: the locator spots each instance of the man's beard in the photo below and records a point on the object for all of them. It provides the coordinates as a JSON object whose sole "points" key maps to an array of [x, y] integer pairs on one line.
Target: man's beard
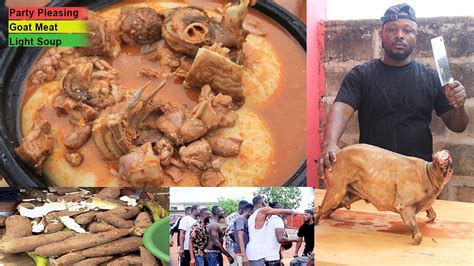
{"points": [[207, 220], [398, 56]]}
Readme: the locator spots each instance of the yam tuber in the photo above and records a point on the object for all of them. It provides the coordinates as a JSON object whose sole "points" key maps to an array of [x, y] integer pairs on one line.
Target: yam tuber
{"points": [[17, 226], [142, 222], [93, 261], [109, 193], [85, 218], [124, 212], [64, 190], [80, 242], [68, 259], [71, 198], [30, 243], [53, 228], [120, 246], [114, 220], [147, 258], [97, 227], [127, 260]]}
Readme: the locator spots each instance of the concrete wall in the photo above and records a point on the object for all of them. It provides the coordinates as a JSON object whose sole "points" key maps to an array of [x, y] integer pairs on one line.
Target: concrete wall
{"points": [[349, 43]]}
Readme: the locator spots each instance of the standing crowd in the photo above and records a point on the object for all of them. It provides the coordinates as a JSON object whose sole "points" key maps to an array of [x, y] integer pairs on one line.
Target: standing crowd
{"points": [[252, 235]]}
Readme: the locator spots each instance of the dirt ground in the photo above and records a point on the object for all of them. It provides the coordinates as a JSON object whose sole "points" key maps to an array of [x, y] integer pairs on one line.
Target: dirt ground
{"points": [[287, 255]]}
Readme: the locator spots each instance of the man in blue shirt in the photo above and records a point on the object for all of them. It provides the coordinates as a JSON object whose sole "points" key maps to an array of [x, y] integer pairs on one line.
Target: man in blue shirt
{"points": [[241, 234]]}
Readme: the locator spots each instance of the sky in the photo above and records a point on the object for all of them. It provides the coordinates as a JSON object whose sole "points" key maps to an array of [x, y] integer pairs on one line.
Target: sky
{"points": [[204, 194], [374, 9]]}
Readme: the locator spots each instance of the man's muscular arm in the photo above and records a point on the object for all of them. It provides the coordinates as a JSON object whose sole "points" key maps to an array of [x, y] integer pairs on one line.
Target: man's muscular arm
{"points": [[335, 125], [282, 239]]}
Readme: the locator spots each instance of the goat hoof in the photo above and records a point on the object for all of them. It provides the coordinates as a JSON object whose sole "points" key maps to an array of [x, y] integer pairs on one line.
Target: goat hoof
{"points": [[417, 238]]}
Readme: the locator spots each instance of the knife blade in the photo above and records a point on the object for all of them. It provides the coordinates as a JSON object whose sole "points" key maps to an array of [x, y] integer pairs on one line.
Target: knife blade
{"points": [[441, 59]]}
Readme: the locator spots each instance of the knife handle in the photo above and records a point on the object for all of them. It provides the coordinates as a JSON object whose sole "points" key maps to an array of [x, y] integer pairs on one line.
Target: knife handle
{"points": [[445, 87]]}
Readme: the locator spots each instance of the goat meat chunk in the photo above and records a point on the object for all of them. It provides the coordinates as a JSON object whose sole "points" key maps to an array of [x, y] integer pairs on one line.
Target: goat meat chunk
{"points": [[78, 137], [197, 155], [211, 178], [36, 146], [74, 158], [226, 147], [139, 25], [141, 167], [218, 71]]}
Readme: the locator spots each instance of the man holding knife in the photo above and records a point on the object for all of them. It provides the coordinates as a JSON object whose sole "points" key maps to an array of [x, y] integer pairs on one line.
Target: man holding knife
{"points": [[395, 96]]}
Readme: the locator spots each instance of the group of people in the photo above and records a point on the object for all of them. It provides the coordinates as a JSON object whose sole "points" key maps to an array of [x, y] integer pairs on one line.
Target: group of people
{"points": [[252, 235]]}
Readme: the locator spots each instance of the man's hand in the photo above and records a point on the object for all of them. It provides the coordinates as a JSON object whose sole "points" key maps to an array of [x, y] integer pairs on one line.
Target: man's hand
{"points": [[171, 242], [456, 93], [181, 251], [456, 119], [192, 262], [336, 122], [328, 158], [231, 260], [245, 260]]}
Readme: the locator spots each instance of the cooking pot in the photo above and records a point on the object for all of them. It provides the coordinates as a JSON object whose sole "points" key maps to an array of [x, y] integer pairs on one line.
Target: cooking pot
{"points": [[14, 69]]}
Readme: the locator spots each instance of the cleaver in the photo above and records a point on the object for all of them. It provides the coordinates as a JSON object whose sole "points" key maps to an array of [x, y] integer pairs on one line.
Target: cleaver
{"points": [[441, 59]]}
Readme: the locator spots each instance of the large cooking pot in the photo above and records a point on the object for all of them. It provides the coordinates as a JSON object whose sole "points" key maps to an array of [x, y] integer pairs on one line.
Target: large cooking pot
{"points": [[15, 66]]}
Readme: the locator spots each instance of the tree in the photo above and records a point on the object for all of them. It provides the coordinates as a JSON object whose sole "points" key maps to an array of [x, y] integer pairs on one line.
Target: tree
{"points": [[289, 197], [228, 205]]}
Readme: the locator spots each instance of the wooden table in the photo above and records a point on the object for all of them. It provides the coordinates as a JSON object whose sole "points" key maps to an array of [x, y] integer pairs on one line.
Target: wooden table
{"points": [[366, 236]]}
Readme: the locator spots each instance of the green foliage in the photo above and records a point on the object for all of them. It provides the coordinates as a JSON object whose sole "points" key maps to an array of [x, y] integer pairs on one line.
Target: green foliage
{"points": [[228, 205], [289, 197]]}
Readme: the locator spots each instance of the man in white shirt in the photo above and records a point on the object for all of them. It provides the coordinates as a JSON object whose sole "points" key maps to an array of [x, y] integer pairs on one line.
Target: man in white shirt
{"points": [[275, 237], [258, 246], [185, 229], [174, 229]]}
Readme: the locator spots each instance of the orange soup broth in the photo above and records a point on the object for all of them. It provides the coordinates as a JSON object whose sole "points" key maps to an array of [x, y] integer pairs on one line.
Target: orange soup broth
{"points": [[284, 112]]}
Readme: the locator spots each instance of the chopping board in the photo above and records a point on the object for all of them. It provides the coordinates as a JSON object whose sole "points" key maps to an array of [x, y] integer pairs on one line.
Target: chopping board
{"points": [[367, 236]]}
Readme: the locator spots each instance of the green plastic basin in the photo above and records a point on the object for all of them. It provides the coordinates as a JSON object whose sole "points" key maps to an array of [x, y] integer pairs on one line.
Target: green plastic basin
{"points": [[157, 239]]}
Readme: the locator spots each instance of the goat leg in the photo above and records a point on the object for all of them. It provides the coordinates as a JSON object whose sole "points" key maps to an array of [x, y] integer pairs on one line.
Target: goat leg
{"points": [[408, 217], [335, 193], [431, 214]]}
